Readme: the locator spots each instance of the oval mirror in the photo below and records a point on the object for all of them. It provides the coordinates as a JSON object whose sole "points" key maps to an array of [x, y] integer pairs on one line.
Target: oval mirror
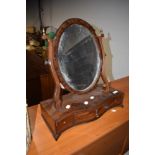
{"points": [[77, 55]]}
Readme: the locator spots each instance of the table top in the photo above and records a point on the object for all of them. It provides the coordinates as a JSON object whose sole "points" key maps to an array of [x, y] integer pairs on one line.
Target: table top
{"points": [[79, 136]]}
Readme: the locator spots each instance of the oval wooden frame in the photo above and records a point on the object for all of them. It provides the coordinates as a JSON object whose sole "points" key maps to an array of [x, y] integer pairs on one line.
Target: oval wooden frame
{"points": [[59, 32]]}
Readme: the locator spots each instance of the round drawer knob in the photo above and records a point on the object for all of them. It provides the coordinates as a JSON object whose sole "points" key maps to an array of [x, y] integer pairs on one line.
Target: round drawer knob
{"points": [[68, 106]]}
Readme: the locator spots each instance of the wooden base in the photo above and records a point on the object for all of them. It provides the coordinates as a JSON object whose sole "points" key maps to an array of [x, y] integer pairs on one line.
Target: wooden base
{"points": [[82, 108]]}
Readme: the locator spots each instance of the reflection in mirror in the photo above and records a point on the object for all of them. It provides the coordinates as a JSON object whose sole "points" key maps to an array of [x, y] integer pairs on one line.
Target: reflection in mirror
{"points": [[78, 58]]}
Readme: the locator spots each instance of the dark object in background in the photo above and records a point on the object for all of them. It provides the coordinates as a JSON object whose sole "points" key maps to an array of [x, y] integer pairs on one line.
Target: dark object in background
{"points": [[34, 68]]}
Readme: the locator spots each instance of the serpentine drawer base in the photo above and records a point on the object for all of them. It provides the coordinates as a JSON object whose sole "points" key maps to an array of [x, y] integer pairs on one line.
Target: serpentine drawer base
{"points": [[78, 109]]}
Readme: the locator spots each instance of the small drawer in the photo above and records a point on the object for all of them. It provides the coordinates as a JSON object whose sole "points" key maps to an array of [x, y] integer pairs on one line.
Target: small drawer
{"points": [[84, 116], [117, 100], [65, 123]]}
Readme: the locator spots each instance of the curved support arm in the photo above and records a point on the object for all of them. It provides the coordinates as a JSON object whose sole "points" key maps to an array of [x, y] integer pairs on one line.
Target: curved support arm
{"points": [[106, 84], [57, 91]]}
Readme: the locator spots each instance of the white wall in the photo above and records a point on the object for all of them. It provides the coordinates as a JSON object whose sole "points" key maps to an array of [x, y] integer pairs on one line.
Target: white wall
{"points": [[32, 15], [110, 15]]}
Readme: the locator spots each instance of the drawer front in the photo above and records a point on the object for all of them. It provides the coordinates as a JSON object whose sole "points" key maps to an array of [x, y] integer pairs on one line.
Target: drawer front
{"points": [[65, 123], [84, 116], [117, 100]]}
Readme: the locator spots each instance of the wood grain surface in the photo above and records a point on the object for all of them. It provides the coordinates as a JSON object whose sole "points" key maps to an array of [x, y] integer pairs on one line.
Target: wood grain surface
{"points": [[107, 135]]}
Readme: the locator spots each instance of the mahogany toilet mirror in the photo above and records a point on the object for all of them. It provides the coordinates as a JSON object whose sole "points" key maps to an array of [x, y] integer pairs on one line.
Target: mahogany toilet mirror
{"points": [[77, 61]]}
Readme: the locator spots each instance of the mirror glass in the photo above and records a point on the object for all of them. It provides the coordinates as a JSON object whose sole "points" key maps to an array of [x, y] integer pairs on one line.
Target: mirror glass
{"points": [[78, 57]]}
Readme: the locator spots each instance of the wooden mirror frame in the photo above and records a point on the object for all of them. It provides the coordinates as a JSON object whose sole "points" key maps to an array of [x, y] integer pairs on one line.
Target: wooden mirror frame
{"points": [[52, 55]]}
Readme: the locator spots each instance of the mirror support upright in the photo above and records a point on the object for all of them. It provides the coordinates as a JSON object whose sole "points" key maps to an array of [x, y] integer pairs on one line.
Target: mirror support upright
{"points": [[57, 89], [106, 84]]}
